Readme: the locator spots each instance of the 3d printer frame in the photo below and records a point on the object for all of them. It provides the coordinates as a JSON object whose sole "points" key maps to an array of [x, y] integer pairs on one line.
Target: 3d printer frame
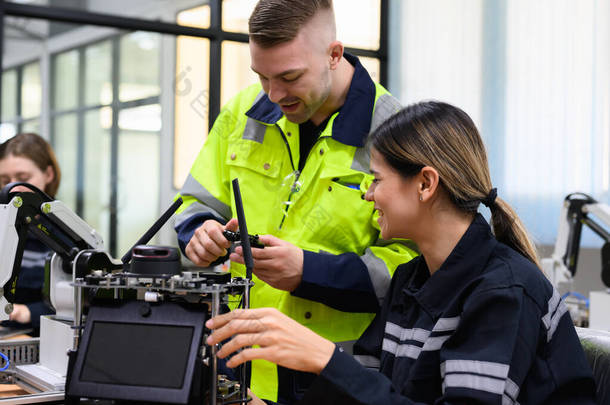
{"points": [[84, 268]]}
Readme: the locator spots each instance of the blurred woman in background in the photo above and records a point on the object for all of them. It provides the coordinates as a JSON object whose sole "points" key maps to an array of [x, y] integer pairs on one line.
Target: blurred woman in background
{"points": [[27, 157]]}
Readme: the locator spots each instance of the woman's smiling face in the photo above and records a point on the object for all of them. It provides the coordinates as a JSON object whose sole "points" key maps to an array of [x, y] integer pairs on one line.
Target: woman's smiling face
{"points": [[396, 199]]}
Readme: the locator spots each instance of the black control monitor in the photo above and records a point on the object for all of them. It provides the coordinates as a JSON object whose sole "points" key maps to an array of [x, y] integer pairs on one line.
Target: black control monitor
{"points": [[138, 351]]}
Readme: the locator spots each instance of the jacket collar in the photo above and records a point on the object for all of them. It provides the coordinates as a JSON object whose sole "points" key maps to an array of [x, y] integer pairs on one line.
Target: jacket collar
{"points": [[351, 126], [465, 263]]}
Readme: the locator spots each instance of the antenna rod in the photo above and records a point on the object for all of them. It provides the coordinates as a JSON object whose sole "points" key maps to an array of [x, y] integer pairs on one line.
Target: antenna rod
{"points": [[243, 230], [153, 229]]}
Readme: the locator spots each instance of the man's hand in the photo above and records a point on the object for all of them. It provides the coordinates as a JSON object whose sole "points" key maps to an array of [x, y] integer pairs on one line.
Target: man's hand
{"points": [[208, 243], [280, 339], [21, 314], [279, 264]]}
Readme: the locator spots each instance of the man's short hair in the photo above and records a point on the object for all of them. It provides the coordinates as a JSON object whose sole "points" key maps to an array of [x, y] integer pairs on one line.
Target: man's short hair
{"points": [[277, 21]]}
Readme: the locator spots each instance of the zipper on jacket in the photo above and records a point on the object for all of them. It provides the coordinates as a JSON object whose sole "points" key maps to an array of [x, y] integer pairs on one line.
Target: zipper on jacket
{"points": [[293, 187], [297, 174]]}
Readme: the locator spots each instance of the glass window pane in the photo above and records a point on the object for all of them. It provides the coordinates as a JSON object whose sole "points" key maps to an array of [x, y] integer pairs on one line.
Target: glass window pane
{"points": [[191, 103], [97, 171], [236, 73], [65, 146], [140, 61], [198, 17], [235, 15], [7, 131], [9, 94], [31, 126], [65, 91], [139, 152], [354, 30], [98, 74], [31, 91], [372, 65], [144, 118]]}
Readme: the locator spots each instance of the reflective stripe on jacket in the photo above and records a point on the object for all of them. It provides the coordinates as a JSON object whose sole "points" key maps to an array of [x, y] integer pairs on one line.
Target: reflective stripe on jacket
{"points": [[321, 210]]}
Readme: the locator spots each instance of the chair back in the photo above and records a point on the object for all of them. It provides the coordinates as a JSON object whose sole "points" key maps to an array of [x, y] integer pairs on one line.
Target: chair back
{"points": [[596, 344]]}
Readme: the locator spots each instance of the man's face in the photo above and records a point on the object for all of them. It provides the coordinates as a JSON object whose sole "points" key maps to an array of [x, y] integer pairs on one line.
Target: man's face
{"points": [[295, 75]]}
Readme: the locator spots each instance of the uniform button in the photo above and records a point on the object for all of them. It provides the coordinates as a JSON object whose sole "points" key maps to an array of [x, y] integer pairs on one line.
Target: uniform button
{"points": [[321, 151], [330, 188], [233, 156], [266, 166], [289, 133], [307, 315]]}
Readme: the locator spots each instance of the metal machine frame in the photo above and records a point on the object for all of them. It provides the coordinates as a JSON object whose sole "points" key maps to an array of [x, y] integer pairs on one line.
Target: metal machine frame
{"points": [[80, 268], [578, 209]]}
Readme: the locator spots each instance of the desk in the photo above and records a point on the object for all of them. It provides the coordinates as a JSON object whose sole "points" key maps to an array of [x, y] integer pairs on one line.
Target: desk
{"points": [[11, 390]]}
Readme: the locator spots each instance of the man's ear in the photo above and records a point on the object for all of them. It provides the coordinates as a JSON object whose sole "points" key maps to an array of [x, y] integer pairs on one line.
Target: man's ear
{"points": [[335, 52], [428, 182]]}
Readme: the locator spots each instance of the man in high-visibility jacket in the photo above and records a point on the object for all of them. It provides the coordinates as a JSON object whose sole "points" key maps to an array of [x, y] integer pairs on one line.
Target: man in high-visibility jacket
{"points": [[297, 146]]}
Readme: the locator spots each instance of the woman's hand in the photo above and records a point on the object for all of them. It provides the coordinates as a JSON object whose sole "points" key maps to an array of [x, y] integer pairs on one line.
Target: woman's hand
{"points": [[21, 314], [280, 340]]}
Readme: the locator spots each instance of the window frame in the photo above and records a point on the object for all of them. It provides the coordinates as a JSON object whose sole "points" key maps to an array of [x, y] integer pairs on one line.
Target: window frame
{"points": [[81, 109], [215, 34]]}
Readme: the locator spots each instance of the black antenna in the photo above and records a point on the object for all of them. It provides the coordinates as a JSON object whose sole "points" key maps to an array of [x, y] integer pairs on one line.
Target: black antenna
{"points": [[153, 229], [243, 230]]}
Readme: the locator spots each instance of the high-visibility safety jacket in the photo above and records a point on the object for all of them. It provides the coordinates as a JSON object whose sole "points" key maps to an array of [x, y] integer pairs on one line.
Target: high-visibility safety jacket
{"points": [[347, 267]]}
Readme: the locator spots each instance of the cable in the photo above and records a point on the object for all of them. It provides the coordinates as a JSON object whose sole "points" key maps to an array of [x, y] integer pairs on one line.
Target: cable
{"points": [[577, 295], [8, 363], [237, 401]]}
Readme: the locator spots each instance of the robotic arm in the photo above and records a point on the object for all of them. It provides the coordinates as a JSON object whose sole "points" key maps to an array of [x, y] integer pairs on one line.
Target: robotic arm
{"points": [[578, 210], [55, 225]]}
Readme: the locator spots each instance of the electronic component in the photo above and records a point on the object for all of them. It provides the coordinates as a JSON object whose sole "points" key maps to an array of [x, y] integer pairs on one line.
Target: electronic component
{"points": [[236, 237]]}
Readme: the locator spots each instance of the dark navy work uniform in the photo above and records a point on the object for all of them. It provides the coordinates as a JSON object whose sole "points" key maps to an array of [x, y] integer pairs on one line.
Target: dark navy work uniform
{"points": [[486, 328], [30, 284]]}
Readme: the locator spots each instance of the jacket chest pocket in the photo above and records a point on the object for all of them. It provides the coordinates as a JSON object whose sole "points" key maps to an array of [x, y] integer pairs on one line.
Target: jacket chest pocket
{"points": [[258, 169], [336, 210]]}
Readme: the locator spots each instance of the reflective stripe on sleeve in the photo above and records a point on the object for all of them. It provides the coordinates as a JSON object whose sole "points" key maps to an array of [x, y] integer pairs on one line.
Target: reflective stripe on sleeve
{"points": [[511, 392], [475, 382], [193, 188], [378, 273], [487, 368], [556, 310], [478, 375]]}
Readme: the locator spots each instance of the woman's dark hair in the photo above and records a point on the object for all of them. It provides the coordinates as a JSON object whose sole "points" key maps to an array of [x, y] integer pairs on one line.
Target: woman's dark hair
{"points": [[36, 149], [444, 137]]}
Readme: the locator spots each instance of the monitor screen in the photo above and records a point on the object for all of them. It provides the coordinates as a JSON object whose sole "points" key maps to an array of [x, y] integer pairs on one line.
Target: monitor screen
{"points": [[133, 350], [126, 354]]}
